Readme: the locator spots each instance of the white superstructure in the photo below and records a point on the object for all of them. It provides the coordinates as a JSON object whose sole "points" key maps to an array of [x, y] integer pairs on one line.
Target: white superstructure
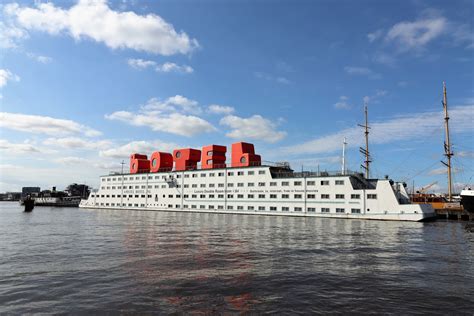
{"points": [[263, 190]]}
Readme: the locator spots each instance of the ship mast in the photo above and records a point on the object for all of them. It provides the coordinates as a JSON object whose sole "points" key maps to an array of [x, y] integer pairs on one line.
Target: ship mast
{"points": [[344, 143], [365, 151], [447, 145]]}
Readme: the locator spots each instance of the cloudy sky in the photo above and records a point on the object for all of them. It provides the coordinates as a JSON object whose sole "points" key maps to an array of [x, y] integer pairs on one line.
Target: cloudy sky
{"points": [[85, 83]]}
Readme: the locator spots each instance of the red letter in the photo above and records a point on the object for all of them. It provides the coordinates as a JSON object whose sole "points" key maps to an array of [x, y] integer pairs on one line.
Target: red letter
{"points": [[186, 158], [213, 156], [243, 155], [139, 163], [160, 162]]}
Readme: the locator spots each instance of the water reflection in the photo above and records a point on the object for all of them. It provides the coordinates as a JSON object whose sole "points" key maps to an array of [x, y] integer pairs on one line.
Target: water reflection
{"points": [[63, 260]]}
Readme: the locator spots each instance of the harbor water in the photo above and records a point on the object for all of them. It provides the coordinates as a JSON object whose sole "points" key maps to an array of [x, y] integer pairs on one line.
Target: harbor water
{"points": [[70, 260]]}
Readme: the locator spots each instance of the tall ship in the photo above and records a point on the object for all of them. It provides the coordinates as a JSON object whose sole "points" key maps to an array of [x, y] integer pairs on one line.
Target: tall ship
{"points": [[174, 182]]}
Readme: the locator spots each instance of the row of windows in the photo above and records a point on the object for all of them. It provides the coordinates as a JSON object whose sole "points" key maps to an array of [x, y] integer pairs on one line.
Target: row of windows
{"points": [[240, 207], [193, 175], [221, 185], [241, 196]]}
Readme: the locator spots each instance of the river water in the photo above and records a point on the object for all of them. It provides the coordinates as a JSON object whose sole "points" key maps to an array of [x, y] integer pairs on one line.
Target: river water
{"points": [[70, 260]]}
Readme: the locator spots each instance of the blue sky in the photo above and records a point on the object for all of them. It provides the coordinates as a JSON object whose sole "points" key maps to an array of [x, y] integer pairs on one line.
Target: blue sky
{"points": [[84, 84]]}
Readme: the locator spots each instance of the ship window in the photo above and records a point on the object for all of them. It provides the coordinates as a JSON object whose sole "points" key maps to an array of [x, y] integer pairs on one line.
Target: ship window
{"points": [[355, 210], [194, 185], [212, 174], [157, 177], [240, 184], [103, 179], [298, 209], [178, 176], [285, 183], [325, 196], [273, 196], [243, 160], [211, 207], [230, 207], [285, 209], [170, 195], [211, 185], [220, 185], [143, 187], [311, 209], [220, 196], [250, 184], [240, 207], [339, 196], [250, 208], [195, 175], [230, 173], [261, 172], [163, 186], [220, 207], [230, 185], [185, 206], [250, 173], [240, 196], [261, 208], [340, 210], [250, 196], [372, 196], [240, 173], [186, 196], [202, 196], [194, 196], [177, 206], [325, 182], [113, 195], [297, 183], [193, 206], [285, 196], [107, 195], [203, 185], [220, 174], [298, 196], [273, 208], [261, 196], [355, 196], [230, 196], [186, 175], [178, 154], [203, 175], [178, 196], [311, 196], [136, 195], [261, 184], [186, 186], [211, 196], [325, 210], [273, 184], [339, 182]]}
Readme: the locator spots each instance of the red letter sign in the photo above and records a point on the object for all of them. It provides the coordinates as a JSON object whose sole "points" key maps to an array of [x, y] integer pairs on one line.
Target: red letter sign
{"points": [[139, 163], [213, 156], [186, 159], [243, 155], [160, 162]]}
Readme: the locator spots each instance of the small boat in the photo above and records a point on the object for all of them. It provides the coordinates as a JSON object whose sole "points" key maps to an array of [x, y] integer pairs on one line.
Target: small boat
{"points": [[29, 204], [467, 200]]}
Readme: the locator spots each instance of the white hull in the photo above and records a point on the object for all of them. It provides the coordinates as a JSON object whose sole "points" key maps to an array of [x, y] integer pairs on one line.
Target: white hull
{"points": [[259, 190], [382, 217]]}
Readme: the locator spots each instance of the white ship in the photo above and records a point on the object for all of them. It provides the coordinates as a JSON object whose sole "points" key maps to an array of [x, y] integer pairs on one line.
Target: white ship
{"points": [[247, 186]]}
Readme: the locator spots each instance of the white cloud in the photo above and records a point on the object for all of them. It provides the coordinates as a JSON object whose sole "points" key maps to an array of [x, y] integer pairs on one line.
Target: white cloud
{"points": [[465, 154], [39, 58], [72, 161], [76, 143], [173, 104], [220, 109], [6, 75], [342, 103], [44, 125], [94, 19], [144, 147], [374, 35], [140, 63], [10, 35], [174, 123], [374, 98], [415, 35], [397, 129], [22, 148], [254, 127], [362, 71], [172, 67], [166, 67], [278, 79], [442, 170]]}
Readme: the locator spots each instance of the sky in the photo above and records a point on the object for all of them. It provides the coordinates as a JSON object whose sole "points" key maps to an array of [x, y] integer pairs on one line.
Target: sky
{"points": [[83, 84]]}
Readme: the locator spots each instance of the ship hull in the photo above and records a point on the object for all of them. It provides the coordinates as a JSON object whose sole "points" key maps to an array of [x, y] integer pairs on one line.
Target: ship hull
{"points": [[467, 200]]}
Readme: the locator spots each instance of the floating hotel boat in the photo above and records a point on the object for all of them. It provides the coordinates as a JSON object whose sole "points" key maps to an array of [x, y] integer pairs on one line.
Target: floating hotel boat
{"points": [[467, 199], [247, 186]]}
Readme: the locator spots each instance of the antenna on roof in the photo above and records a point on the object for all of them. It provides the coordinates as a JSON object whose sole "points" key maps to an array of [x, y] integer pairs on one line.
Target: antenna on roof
{"points": [[344, 143]]}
